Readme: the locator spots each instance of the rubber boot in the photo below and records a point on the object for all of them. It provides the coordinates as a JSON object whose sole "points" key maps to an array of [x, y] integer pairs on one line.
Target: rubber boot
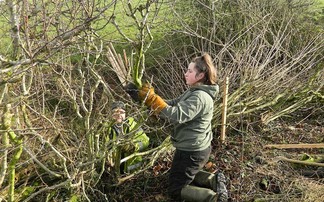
{"points": [[216, 182], [198, 194]]}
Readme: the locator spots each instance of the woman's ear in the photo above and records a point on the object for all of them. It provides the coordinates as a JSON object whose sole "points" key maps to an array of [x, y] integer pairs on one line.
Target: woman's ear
{"points": [[201, 75]]}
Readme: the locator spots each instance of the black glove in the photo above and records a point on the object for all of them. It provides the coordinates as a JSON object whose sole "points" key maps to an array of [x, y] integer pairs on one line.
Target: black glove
{"points": [[132, 90]]}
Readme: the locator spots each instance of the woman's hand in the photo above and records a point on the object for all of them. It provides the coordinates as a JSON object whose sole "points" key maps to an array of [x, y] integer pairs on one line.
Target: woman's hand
{"points": [[147, 94], [146, 91]]}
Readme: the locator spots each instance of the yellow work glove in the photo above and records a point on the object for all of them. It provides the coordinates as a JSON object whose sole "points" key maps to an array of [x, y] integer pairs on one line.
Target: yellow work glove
{"points": [[147, 94]]}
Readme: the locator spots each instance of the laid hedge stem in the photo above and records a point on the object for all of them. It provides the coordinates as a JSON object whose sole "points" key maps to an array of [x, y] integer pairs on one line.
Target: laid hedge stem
{"points": [[17, 142]]}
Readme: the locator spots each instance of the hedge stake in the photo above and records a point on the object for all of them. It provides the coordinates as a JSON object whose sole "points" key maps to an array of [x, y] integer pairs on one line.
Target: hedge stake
{"points": [[225, 95]]}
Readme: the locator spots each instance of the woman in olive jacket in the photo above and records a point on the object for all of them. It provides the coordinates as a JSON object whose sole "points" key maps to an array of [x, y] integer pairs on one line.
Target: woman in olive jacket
{"points": [[191, 115]]}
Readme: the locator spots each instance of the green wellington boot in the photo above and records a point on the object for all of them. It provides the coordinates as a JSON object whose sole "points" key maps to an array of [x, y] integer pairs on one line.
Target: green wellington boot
{"points": [[198, 194], [216, 182]]}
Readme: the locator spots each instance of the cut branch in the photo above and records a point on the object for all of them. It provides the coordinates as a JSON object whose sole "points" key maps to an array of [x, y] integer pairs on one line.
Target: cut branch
{"points": [[294, 146], [301, 162]]}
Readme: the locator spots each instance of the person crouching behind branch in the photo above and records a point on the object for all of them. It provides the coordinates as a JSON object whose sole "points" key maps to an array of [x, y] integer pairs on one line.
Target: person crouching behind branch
{"points": [[191, 114], [133, 140]]}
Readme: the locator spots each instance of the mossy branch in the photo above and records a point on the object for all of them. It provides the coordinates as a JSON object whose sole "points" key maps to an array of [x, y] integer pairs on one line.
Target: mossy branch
{"points": [[12, 165], [17, 143], [4, 159], [164, 144], [307, 163]]}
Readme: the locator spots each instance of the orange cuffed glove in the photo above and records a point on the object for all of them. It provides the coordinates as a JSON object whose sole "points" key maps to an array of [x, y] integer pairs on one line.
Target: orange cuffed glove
{"points": [[158, 104], [147, 94]]}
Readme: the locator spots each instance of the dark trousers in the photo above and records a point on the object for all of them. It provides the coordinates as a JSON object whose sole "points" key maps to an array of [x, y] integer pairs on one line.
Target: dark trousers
{"points": [[185, 165]]}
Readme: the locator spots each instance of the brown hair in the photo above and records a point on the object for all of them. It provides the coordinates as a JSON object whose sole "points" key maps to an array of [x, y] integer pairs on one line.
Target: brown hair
{"points": [[204, 64]]}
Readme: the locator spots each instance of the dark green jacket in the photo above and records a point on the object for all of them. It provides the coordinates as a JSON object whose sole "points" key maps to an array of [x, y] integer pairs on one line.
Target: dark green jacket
{"points": [[191, 114], [129, 130]]}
